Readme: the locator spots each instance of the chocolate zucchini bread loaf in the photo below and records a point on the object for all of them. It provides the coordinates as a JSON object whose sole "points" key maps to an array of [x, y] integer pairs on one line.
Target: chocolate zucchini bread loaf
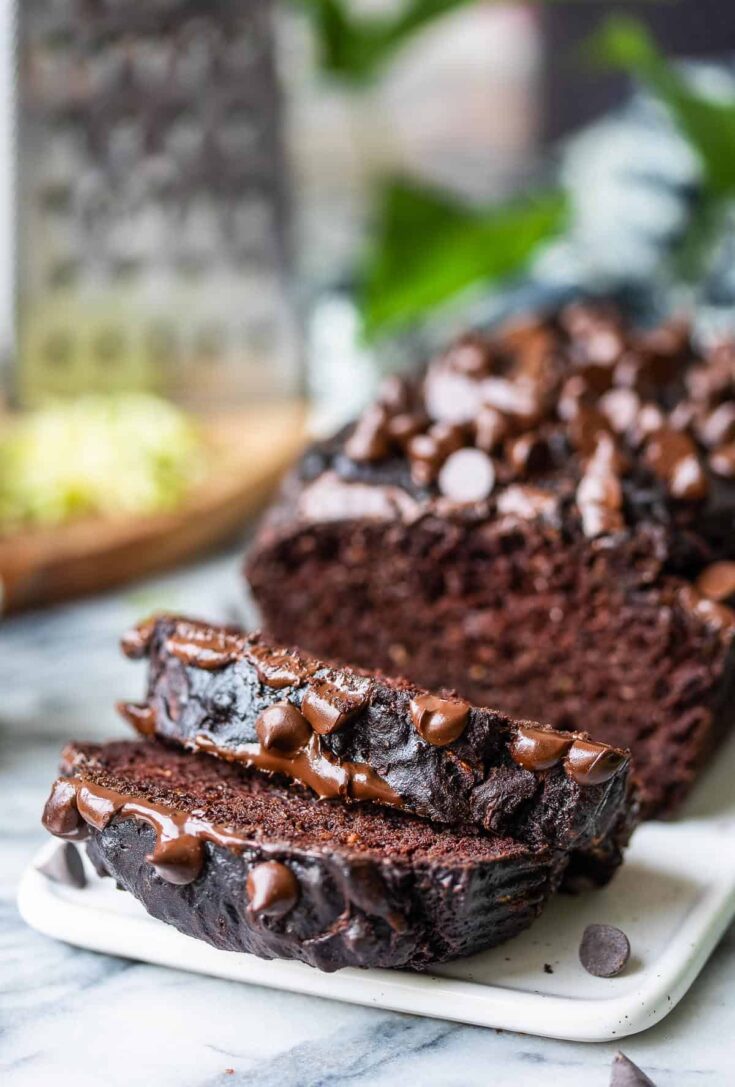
{"points": [[544, 522], [229, 857], [364, 737]]}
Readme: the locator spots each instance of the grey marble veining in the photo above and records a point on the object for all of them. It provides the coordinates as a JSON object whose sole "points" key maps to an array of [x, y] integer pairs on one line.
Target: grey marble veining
{"points": [[70, 1016]]}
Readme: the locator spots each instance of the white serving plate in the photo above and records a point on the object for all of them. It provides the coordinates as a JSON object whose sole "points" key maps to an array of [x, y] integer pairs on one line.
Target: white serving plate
{"points": [[674, 898]]}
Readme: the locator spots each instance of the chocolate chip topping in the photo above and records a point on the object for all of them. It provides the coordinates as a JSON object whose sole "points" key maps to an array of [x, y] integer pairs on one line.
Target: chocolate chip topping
{"points": [[205, 647], [140, 715], [328, 707], [626, 1074], [673, 457], [539, 748], [600, 494], [592, 763], [179, 859], [283, 729], [540, 401], [717, 581], [278, 669], [722, 461], [272, 889], [439, 721], [136, 642], [467, 475], [61, 815], [604, 950], [65, 866]]}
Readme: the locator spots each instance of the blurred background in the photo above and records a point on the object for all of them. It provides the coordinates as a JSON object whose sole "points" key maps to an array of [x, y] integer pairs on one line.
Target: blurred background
{"points": [[222, 220]]}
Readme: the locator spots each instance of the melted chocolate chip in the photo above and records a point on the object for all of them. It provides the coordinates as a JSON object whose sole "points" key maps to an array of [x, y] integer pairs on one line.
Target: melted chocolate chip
{"points": [[135, 643], [439, 721], [604, 950], [591, 763], [140, 715], [61, 814], [178, 860], [539, 748], [203, 646], [283, 729], [328, 707], [467, 475], [672, 455], [717, 582], [65, 866], [277, 669], [272, 889]]}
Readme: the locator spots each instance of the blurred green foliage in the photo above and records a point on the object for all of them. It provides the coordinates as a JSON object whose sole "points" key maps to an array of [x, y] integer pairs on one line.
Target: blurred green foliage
{"points": [[426, 248]]}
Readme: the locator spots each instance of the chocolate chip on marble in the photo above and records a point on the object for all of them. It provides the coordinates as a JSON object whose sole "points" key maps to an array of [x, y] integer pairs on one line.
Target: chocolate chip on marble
{"points": [[626, 1074], [272, 889], [467, 475], [64, 866], [604, 950]]}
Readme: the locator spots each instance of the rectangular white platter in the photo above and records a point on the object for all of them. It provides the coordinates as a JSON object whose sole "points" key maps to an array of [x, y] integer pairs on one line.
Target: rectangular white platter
{"points": [[674, 898]]}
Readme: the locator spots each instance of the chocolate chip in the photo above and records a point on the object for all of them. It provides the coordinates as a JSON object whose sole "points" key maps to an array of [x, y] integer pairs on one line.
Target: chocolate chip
{"points": [[539, 748], [369, 440], [328, 707], [600, 494], [604, 950], [620, 407], [626, 1074], [548, 968], [491, 427], [592, 763], [585, 428], [277, 669], [272, 889], [528, 454], [283, 728], [467, 475], [405, 426], [672, 455], [64, 866], [425, 457], [527, 502], [718, 427], [395, 393], [471, 356], [717, 581], [722, 461], [439, 721]]}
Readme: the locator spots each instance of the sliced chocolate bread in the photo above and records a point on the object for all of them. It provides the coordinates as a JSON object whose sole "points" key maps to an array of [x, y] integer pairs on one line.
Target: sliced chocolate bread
{"points": [[232, 858], [365, 737], [545, 522]]}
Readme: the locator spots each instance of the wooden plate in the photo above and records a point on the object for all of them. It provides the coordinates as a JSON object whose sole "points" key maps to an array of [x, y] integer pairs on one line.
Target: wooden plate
{"points": [[252, 447]]}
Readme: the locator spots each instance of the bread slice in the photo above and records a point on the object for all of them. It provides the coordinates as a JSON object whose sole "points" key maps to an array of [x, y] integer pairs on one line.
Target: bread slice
{"points": [[231, 857], [544, 521], [364, 737]]}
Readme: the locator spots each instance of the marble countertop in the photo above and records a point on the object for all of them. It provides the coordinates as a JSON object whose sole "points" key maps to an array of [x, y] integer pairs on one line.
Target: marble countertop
{"points": [[73, 1016]]}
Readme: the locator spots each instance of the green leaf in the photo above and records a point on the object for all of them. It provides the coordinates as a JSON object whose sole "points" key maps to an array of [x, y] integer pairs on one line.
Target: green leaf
{"points": [[353, 47], [428, 248], [709, 125]]}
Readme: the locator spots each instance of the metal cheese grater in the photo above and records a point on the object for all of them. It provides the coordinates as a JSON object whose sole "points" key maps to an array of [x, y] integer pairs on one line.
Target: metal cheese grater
{"points": [[151, 207]]}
